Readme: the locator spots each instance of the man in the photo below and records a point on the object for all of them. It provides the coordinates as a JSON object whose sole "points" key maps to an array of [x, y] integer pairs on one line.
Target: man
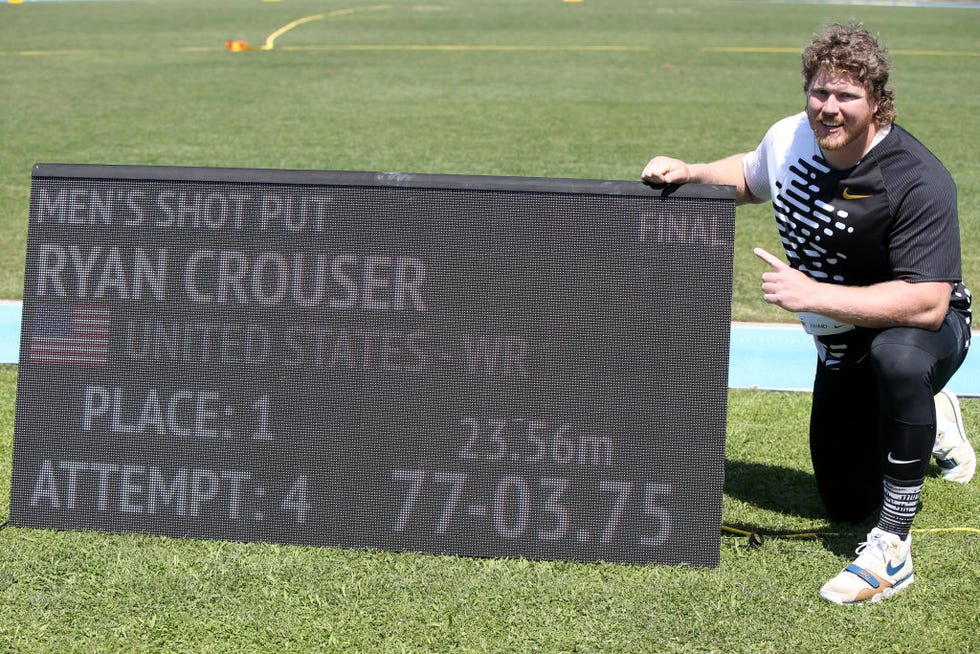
{"points": [[868, 220]]}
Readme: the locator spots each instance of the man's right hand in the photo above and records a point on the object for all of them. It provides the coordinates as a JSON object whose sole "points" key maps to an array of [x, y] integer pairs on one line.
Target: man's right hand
{"points": [[727, 171], [666, 170]]}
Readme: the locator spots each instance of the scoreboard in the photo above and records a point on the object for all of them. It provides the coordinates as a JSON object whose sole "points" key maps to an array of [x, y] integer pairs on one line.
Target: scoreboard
{"points": [[472, 365]]}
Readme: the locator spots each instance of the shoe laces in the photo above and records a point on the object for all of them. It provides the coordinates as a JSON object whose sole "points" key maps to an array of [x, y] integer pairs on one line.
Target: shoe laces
{"points": [[871, 545], [876, 546]]}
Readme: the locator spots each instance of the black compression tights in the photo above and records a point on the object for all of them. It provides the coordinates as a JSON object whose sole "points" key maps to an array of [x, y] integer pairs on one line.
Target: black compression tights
{"points": [[877, 418]]}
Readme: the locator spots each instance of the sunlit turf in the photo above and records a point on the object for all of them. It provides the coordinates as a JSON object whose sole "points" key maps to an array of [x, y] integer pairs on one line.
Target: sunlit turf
{"points": [[528, 93]]}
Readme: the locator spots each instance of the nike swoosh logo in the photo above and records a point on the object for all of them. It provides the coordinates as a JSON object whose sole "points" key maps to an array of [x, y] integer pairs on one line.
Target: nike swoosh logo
{"points": [[854, 196], [892, 459], [893, 571]]}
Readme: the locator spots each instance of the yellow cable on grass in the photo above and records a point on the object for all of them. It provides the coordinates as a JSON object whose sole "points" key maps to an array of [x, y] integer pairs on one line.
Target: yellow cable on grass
{"points": [[815, 534], [271, 40]]}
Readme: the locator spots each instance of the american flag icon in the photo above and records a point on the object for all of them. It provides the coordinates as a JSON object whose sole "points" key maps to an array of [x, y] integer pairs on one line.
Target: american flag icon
{"points": [[64, 334]]}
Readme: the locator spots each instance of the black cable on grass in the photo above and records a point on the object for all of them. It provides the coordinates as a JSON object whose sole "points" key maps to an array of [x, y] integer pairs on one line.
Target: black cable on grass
{"points": [[756, 538], [759, 535]]}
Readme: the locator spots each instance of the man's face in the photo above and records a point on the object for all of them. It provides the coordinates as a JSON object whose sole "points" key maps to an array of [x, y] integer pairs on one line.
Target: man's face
{"points": [[841, 114]]}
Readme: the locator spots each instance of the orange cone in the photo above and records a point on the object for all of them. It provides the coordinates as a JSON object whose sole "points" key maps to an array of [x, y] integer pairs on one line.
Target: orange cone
{"points": [[238, 46]]}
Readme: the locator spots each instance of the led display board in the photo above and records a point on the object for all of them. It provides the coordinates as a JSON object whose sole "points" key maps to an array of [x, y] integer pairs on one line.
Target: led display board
{"points": [[471, 365]]}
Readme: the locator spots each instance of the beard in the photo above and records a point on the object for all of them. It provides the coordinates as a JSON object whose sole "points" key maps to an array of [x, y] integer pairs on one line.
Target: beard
{"points": [[850, 131]]}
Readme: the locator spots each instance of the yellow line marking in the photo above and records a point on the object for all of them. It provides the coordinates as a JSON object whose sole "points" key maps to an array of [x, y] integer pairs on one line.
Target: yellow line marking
{"points": [[448, 47], [43, 53], [934, 53], [750, 49], [460, 47], [271, 40], [477, 48], [765, 50]]}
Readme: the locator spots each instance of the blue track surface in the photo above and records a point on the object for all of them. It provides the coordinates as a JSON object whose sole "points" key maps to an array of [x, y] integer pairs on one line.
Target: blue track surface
{"points": [[771, 357], [782, 357]]}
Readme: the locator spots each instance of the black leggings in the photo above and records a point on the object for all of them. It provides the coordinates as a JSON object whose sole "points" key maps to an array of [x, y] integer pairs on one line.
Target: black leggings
{"points": [[871, 419]]}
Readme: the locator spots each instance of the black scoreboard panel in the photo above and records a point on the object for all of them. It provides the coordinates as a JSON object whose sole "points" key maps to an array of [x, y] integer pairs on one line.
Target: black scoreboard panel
{"points": [[472, 365]]}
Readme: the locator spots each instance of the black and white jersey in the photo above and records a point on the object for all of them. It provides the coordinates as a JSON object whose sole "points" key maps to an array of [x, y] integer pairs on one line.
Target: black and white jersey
{"points": [[892, 216]]}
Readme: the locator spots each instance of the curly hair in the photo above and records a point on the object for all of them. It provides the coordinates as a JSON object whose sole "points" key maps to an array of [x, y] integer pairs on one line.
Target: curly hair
{"points": [[851, 50]]}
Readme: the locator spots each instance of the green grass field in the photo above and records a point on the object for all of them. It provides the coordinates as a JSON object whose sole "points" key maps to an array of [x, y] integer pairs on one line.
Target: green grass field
{"points": [[545, 88]]}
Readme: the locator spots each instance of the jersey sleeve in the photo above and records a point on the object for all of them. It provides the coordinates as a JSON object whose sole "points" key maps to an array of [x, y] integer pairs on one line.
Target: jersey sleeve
{"points": [[786, 140], [755, 166]]}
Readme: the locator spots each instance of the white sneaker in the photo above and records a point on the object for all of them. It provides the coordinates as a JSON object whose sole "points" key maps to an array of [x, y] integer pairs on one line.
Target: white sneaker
{"points": [[883, 567], [953, 452]]}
